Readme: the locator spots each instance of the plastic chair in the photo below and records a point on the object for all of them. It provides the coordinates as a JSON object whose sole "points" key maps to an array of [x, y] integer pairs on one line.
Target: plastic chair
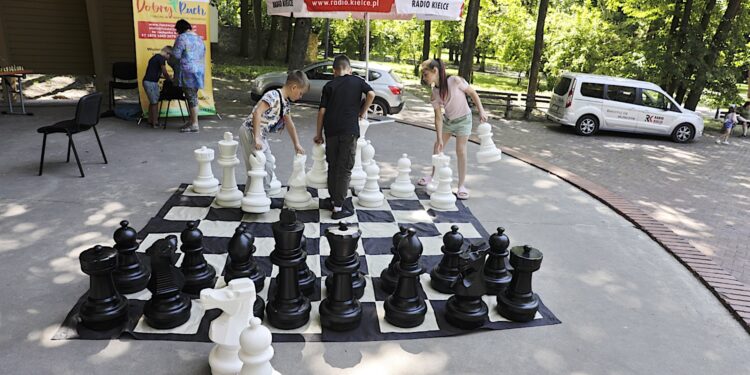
{"points": [[87, 116], [124, 77], [168, 93]]}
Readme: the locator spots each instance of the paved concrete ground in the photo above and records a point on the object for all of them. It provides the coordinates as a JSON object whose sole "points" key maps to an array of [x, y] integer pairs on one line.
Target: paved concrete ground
{"points": [[627, 306]]}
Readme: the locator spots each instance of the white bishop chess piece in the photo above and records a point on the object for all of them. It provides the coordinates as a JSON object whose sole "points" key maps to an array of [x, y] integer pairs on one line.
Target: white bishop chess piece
{"points": [[256, 350], [205, 183], [443, 199], [437, 162], [298, 196], [370, 195], [318, 175], [402, 187], [488, 152], [255, 200], [229, 195], [274, 189], [358, 178]]}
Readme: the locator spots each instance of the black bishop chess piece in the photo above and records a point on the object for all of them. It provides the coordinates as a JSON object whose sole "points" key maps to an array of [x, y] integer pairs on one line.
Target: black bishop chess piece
{"points": [[389, 276], [465, 309], [288, 308], [496, 274], [341, 310], [198, 273], [445, 273], [406, 308], [518, 302], [104, 308], [131, 274], [306, 276], [241, 263], [168, 306]]}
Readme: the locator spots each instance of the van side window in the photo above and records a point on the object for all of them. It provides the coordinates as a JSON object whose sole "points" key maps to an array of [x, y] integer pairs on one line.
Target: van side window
{"points": [[562, 87], [592, 90], [623, 94], [653, 99]]}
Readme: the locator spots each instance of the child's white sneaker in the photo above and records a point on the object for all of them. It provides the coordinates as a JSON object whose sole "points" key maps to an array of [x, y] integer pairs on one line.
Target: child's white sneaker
{"points": [[725, 142], [718, 141]]}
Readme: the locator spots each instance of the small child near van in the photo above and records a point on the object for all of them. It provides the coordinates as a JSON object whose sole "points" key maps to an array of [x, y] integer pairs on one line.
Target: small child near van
{"points": [[155, 69], [730, 121]]}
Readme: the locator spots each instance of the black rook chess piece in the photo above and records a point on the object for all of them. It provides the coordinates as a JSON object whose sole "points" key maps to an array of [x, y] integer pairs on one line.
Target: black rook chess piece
{"points": [[131, 274], [168, 306], [444, 274], [406, 308], [496, 274], [198, 273], [240, 263], [389, 276], [518, 302], [465, 309], [289, 308], [306, 276], [358, 280], [341, 310], [104, 307]]}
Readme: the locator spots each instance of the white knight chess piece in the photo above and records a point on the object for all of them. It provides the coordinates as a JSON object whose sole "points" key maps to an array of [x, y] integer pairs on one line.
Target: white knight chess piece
{"points": [[229, 195], [256, 201], [298, 196], [205, 183], [488, 152]]}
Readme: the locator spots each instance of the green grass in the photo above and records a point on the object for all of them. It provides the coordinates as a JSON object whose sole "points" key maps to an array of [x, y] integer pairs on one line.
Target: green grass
{"points": [[241, 70]]}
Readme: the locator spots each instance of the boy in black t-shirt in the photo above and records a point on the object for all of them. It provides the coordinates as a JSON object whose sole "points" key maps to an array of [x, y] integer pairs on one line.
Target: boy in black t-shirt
{"points": [[341, 108], [154, 70]]}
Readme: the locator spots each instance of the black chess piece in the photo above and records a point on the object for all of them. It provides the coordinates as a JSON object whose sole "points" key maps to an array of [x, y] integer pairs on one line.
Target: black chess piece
{"points": [[241, 263], [389, 276], [358, 279], [198, 273], [168, 306], [518, 302], [306, 276], [105, 308], [406, 308], [131, 274], [341, 310], [445, 273], [496, 274], [465, 309], [289, 308]]}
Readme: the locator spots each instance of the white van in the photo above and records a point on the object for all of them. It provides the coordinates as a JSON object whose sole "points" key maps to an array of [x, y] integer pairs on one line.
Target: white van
{"points": [[592, 102]]}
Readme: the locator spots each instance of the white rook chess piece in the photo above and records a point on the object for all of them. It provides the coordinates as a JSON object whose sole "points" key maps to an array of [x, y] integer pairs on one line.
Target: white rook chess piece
{"points": [[256, 350], [371, 196], [488, 152], [359, 176], [236, 301], [274, 189], [256, 201], [298, 196], [318, 175], [437, 162], [229, 195], [402, 187], [443, 199], [205, 183]]}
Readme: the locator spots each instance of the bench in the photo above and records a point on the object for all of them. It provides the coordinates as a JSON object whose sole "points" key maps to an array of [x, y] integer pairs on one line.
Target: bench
{"points": [[497, 99]]}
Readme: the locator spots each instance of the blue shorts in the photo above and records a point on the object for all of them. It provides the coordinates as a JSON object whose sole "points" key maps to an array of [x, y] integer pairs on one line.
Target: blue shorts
{"points": [[152, 91]]}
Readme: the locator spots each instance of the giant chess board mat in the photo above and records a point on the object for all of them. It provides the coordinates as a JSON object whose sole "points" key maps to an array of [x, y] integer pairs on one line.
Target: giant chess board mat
{"points": [[377, 226]]}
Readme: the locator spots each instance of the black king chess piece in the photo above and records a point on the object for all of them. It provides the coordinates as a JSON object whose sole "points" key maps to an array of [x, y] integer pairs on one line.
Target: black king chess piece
{"points": [[518, 302], [241, 263], [168, 306], [406, 308], [445, 273], [496, 274], [198, 273], [306, 276], [465, 309], [389, 276], [104, 307], [288, 308], [131, 274], [341, 310]]}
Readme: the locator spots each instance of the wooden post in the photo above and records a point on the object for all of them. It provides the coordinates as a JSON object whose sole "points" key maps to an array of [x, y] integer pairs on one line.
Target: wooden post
{"points": [[101, 70]]}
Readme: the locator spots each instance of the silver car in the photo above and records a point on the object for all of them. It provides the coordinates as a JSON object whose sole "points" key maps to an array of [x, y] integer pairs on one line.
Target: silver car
{"points": [[384, 81]]}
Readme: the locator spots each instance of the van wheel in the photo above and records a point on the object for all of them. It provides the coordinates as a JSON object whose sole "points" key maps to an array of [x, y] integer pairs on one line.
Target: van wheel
{"points": [[683, 133], [587, 125]]}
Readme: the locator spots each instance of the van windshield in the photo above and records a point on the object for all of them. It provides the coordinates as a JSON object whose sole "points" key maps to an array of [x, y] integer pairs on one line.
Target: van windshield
{"points": [[562, 87]]}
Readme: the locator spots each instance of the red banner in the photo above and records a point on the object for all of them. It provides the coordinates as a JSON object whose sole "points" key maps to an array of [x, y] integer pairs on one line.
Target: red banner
{"points": [[372, 6], [165, 30]]}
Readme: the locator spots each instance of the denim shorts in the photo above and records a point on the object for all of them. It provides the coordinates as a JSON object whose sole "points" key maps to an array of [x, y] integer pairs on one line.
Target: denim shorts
{"points": [[459, 126], [152, 91], [191, 94]]}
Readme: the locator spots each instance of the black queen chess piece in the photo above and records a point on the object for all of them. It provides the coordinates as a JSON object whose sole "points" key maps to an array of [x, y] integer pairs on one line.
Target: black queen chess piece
{"points": [[389, 276], [465, 309], [341, 310], [104, 308], [131, 274], [406, 308], [168, 306], [518, 302], [496, 274], [445, 273], [241, 264], [198, 273]]}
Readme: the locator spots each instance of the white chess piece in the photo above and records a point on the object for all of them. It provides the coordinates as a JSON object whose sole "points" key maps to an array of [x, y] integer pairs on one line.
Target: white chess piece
{"points": [[256, 350], [402, 187], [437, 162], [205, 183], [229, 195], [371, 196], [255, 200], [488, 152], [274, 189], [318, 175], [236, 301], [298, 196], [368, 155], [358, 178], [443, 199]]}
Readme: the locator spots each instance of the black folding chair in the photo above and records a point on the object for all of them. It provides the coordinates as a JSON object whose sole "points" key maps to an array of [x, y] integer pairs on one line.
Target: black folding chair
{"points": [[168, 93], [124, 77], [87, 116]]}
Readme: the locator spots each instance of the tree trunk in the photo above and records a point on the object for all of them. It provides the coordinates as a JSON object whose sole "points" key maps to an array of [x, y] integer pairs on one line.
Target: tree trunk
{"points": [[666, 72], [471, 32], [536, 59], [244, 28], [273, 35], [696, 52], [258, 21], [679, 50], [450, 54], [299, 43], [426, 40], [748, 83]]}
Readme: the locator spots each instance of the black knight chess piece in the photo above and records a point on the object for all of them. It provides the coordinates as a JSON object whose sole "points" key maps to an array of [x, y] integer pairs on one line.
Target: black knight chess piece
{"points": [[518, 302], [389, 276], [131, 274], [104, 307], [341, 310], [445, 273], [406, 308], [241, 263], [465, 309], [168, 306], [198, 273], [496, 274], [306, 276]]}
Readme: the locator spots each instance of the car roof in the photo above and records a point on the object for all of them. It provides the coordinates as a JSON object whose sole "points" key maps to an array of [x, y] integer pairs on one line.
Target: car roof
{"points": [[598, 78], [359, 65]]}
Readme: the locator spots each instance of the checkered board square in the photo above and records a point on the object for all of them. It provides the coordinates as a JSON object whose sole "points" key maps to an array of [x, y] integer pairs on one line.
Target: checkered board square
{"points": [[377, 226]]}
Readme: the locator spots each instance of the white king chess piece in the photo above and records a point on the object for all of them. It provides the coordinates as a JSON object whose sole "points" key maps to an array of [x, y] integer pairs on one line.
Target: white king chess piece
{"points": [[298, 196], [443, 199], [318, 175], [256, 201], [437, 162], [256, 350], [205, 183], [402, 187], [358, 178], [488, 152], [229, 195], [236, 301], [274, 189]]}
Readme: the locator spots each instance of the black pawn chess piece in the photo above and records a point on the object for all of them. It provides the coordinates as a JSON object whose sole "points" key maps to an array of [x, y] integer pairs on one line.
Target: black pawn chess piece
{"points": [[496, 274], [518, 302], [198, 273], [104, 307], [131, 274], [307, 277], [288, 308], [406, 308], [445, 273], [168, 306], [389, 276], [341, 310], [465, 309], [241, 263]]}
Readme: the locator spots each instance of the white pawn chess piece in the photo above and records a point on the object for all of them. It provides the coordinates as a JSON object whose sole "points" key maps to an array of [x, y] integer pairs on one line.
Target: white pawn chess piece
{"points": [[255, 200], [371, 196], [443, 199], [229, 195], [358, 177], [488, 152], [318, 175], [236, 301], [256, 350], [274, 189], [402, 186], [437, 162], [298, 196], [367, 153], [205, 183]]}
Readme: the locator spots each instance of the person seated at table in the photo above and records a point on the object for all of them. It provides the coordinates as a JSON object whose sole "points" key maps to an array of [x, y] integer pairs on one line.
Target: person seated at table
{"points": [[155, 69]]}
